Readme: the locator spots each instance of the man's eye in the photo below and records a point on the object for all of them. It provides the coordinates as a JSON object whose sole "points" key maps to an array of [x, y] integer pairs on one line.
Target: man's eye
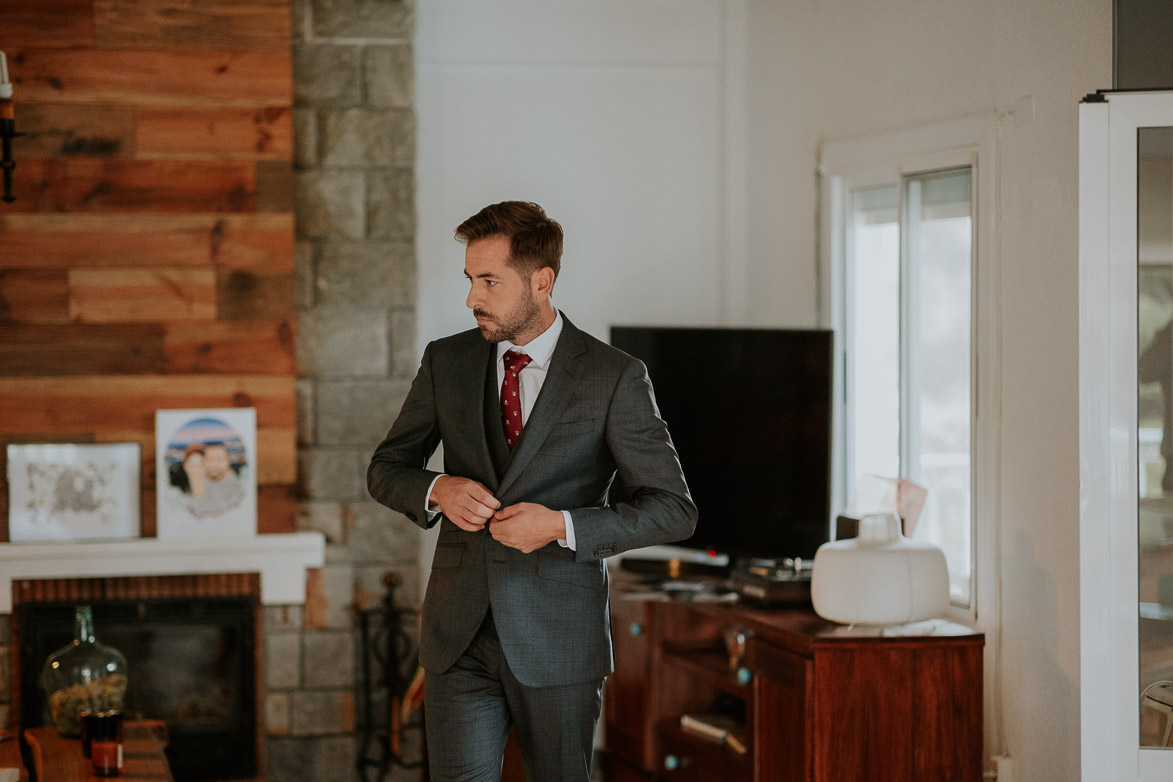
{"points": [[491, 283]]}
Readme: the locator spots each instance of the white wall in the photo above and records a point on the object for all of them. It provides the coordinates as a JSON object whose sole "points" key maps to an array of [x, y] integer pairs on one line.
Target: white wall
{"points": [[617, 116], [856, 67], [781, 148]]}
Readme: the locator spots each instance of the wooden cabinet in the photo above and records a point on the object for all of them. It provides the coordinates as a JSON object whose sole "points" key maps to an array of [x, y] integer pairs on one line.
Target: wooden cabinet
{"points": [[817, 702]]}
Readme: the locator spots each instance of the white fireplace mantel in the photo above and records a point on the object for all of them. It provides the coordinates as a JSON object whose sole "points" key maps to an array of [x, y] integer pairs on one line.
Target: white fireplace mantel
{"points": [[281, 559]]}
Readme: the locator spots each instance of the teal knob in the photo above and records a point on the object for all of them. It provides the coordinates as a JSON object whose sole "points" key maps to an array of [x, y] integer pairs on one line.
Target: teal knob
{"points": [[744, 676], [636, 628], [671, 762]]}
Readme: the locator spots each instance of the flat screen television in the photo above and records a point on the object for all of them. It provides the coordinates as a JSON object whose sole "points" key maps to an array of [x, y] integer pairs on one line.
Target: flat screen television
{"points": [[749, 411]]}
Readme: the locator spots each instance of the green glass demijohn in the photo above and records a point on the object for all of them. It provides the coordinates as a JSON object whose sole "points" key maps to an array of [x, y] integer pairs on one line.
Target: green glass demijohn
{"points": [[85, 676]]}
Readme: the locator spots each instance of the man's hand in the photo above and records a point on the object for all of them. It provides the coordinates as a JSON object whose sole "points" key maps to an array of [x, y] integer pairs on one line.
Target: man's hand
{"points": [[466, 503], [527, 526]]}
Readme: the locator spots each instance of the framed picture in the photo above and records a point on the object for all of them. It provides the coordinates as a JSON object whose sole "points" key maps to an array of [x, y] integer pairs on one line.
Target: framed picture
{"points": [[73, 491], [206, 472]]}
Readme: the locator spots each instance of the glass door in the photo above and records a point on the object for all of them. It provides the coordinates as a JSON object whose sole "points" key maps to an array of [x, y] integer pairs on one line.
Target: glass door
{"points": [[1154, 315], [1126, 436]]}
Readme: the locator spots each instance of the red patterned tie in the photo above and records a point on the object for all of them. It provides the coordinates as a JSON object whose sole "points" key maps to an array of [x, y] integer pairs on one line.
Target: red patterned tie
{"points": [[510, 398]]}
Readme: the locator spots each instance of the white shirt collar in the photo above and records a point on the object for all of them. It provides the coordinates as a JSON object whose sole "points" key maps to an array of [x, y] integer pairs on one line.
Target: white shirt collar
{"points": [[540, 348]]}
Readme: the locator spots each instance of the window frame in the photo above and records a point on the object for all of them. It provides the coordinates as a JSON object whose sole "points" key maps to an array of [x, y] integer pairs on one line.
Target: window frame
{"points": [[885, 159]]}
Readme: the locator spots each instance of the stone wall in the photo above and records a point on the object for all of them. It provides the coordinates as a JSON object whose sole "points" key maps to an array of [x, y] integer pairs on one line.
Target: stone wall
{"points": [[354, 141]]}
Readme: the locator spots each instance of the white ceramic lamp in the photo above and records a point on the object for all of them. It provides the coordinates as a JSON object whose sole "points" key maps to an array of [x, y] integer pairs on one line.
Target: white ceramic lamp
{"points": [[880, 577]]}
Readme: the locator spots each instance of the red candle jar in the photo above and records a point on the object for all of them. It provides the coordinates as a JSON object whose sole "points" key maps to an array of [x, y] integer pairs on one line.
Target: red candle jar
{"points": [[87, 717], [105, 729]]}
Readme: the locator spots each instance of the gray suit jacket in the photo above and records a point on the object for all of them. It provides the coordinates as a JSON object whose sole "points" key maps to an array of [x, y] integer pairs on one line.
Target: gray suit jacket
{"points": [[594, 417]]}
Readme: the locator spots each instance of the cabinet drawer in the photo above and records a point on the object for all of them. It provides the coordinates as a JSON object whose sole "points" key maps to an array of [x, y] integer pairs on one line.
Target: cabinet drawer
{"points": [[631, 689], [688, 758], [781, 712], [615, 769]]}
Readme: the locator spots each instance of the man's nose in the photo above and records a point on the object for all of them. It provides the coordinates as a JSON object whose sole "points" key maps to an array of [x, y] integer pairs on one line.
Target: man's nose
{"points": [[472, 300]]}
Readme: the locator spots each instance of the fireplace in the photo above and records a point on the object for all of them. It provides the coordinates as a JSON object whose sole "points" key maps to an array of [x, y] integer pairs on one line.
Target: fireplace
{"points": [[192, 662], [173, 574]]}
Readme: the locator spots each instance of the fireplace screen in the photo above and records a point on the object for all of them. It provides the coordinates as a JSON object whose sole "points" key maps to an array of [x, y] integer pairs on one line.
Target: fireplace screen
{"points": [[191, 663]]}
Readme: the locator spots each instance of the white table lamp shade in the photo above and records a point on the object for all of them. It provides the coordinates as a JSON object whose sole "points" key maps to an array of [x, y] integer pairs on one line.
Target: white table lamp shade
{"points": [[880, 577]]}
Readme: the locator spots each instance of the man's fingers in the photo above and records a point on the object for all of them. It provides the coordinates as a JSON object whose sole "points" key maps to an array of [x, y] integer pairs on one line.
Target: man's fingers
{"points": [[466, 502], [481, 507], [478, 492], [483, 496], [476, 507], [475, 516], [466, 525], [507, 513]]}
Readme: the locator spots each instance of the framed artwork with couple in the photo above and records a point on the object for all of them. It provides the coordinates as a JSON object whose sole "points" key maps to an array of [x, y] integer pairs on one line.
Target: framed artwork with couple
{"points": [[206, 472]]}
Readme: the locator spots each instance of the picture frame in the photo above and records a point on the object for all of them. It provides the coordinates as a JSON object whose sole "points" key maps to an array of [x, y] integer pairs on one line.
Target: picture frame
{"points": [[74, 491], [206, 472]]}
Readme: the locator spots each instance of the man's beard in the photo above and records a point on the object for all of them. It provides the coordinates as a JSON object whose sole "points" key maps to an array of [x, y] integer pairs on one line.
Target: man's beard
{"points": [[526, 316]]}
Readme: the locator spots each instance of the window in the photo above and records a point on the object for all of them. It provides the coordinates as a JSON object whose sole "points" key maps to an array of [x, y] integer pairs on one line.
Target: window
{"points": [[904, 276], [908, 339]]}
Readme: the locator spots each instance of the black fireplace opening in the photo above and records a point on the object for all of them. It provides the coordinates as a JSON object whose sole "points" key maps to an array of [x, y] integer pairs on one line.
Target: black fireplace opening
{"points": [[191, 663]]}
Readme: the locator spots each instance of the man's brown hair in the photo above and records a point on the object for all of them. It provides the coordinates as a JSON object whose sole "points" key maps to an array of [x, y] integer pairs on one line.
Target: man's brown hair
{"points": [[534, 239]]}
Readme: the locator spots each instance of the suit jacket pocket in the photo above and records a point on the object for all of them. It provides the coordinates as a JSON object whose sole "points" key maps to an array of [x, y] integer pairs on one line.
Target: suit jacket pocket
{"points": [[583, 574], [448, 555], [570, 428]]}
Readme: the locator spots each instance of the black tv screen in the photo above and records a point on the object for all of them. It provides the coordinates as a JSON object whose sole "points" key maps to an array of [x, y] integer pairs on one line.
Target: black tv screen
{"points": [[750, 413]]}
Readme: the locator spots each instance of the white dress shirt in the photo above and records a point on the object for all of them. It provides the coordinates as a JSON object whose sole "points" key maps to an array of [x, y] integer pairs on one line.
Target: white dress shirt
{"points": [[540, 349]]}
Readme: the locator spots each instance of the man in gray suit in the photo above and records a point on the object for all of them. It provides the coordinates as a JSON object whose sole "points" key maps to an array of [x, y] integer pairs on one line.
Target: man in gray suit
{"points": [[537, 418]]}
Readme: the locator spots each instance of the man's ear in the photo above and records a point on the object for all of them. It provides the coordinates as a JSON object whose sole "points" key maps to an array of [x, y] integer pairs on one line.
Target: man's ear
{"points": [[542, 282]]}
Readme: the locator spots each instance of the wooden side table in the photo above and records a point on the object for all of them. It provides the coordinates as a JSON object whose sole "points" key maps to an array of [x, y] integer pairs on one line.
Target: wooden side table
{"points": [[10, 758], [60, 759]]}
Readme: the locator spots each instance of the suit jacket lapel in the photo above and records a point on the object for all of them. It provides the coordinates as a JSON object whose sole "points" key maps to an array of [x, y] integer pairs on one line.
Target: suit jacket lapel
{"points": [[566, 367], [471, 368]]}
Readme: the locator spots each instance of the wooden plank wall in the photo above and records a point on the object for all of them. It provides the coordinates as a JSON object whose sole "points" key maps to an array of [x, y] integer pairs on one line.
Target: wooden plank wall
{"points": [[147, 262]]}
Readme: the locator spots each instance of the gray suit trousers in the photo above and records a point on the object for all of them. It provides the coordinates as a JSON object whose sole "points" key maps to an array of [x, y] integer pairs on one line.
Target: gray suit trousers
{"points": [[470, 707]]}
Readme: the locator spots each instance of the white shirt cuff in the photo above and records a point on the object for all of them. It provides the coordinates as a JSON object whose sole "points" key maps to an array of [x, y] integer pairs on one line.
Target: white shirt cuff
{"points": [[568, 541], [429, 510]]}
